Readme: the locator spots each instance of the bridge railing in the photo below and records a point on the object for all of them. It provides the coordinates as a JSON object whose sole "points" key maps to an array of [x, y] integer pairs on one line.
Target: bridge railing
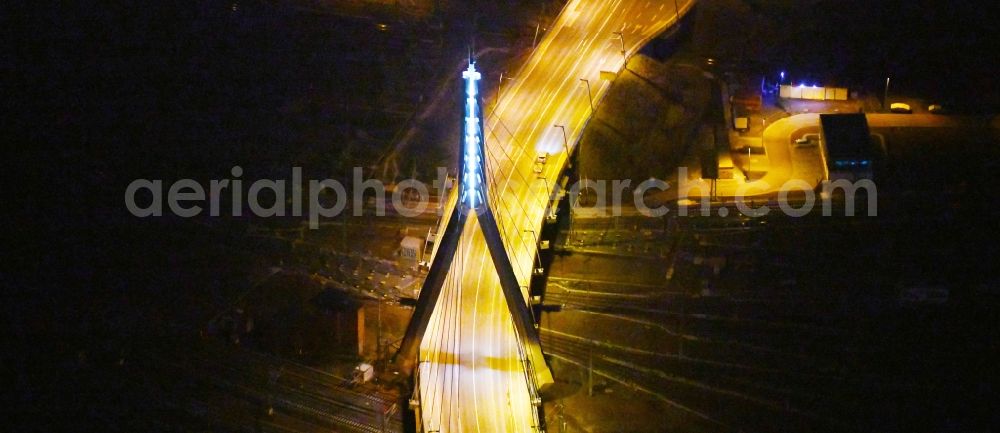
{"points": [[506, 205], [414, 402], [529, 376]]}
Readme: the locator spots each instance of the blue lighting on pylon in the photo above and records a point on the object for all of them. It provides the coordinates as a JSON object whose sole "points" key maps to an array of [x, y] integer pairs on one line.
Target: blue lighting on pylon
{"points": [[472, 162]]}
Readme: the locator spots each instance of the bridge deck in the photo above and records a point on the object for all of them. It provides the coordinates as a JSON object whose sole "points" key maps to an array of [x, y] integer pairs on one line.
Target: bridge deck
{"points": [[471, 374]]}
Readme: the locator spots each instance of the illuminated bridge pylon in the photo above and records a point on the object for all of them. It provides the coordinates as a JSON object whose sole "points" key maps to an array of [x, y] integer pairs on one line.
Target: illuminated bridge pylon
{"points": [[473, 202]]}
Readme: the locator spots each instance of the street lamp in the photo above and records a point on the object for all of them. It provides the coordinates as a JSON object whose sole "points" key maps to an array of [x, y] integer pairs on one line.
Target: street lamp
{"points": [[378, 334], [538, 270], [885, 96], [621, 37], [499, 84], [565, 140], [579, 155], [534, 41], [589, 94]]}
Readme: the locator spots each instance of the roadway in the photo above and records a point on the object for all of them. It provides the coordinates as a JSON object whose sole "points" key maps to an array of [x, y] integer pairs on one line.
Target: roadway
{"points": [[471, 373], [792, 168]]}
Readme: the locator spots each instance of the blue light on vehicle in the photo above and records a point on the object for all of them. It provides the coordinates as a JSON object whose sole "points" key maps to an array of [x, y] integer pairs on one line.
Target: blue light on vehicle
{"points": [[472, 156]]}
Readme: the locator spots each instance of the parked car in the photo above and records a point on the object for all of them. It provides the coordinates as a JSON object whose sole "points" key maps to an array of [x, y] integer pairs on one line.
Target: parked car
{"points": [[899, 107]]}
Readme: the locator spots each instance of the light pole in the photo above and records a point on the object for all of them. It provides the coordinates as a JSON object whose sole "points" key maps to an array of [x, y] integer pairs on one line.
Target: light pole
{"points": [[590, 374], [589, 95], [499, 84], [538, 260], [579, 156], [534, 41], [885, 96], [621, 37], [565, 140], [538, 25], [579, 167], [378, 335]]}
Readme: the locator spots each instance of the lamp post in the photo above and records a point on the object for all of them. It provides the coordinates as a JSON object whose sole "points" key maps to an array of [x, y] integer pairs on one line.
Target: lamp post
{"points": [[569, 239], [885, 96], [538, 270], [590, 374], [378, 334], [534, 41], [621, 37], [499, 84], [589, 94], [579, 157], [565, 140]]}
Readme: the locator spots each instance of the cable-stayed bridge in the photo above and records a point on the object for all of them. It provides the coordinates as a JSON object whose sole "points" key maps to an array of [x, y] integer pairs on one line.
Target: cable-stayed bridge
{"points": [[472, 343]]}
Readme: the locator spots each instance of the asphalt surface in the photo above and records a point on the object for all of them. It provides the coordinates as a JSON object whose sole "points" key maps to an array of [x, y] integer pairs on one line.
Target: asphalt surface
{"points": [[471, 373], [796, 168]]}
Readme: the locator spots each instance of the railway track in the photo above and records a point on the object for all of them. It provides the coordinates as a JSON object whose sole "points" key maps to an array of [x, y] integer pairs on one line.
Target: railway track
{"points": [[296, 392], [666, 304], [723, 394]]}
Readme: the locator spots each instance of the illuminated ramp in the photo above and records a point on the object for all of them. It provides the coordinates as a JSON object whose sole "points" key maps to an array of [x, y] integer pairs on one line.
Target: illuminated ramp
{"points": [[472, 344]]}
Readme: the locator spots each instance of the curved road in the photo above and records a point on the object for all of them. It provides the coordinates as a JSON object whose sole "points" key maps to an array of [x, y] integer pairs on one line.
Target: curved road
{"points": [[472, 374], [794, 168]]}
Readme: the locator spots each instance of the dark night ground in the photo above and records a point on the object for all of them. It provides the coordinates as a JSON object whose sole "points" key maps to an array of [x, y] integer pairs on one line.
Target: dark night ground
{"points": [[103, 95]]}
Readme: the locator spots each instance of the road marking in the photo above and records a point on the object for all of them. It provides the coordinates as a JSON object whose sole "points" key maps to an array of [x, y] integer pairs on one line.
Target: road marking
{"points": [[573, 54]]}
